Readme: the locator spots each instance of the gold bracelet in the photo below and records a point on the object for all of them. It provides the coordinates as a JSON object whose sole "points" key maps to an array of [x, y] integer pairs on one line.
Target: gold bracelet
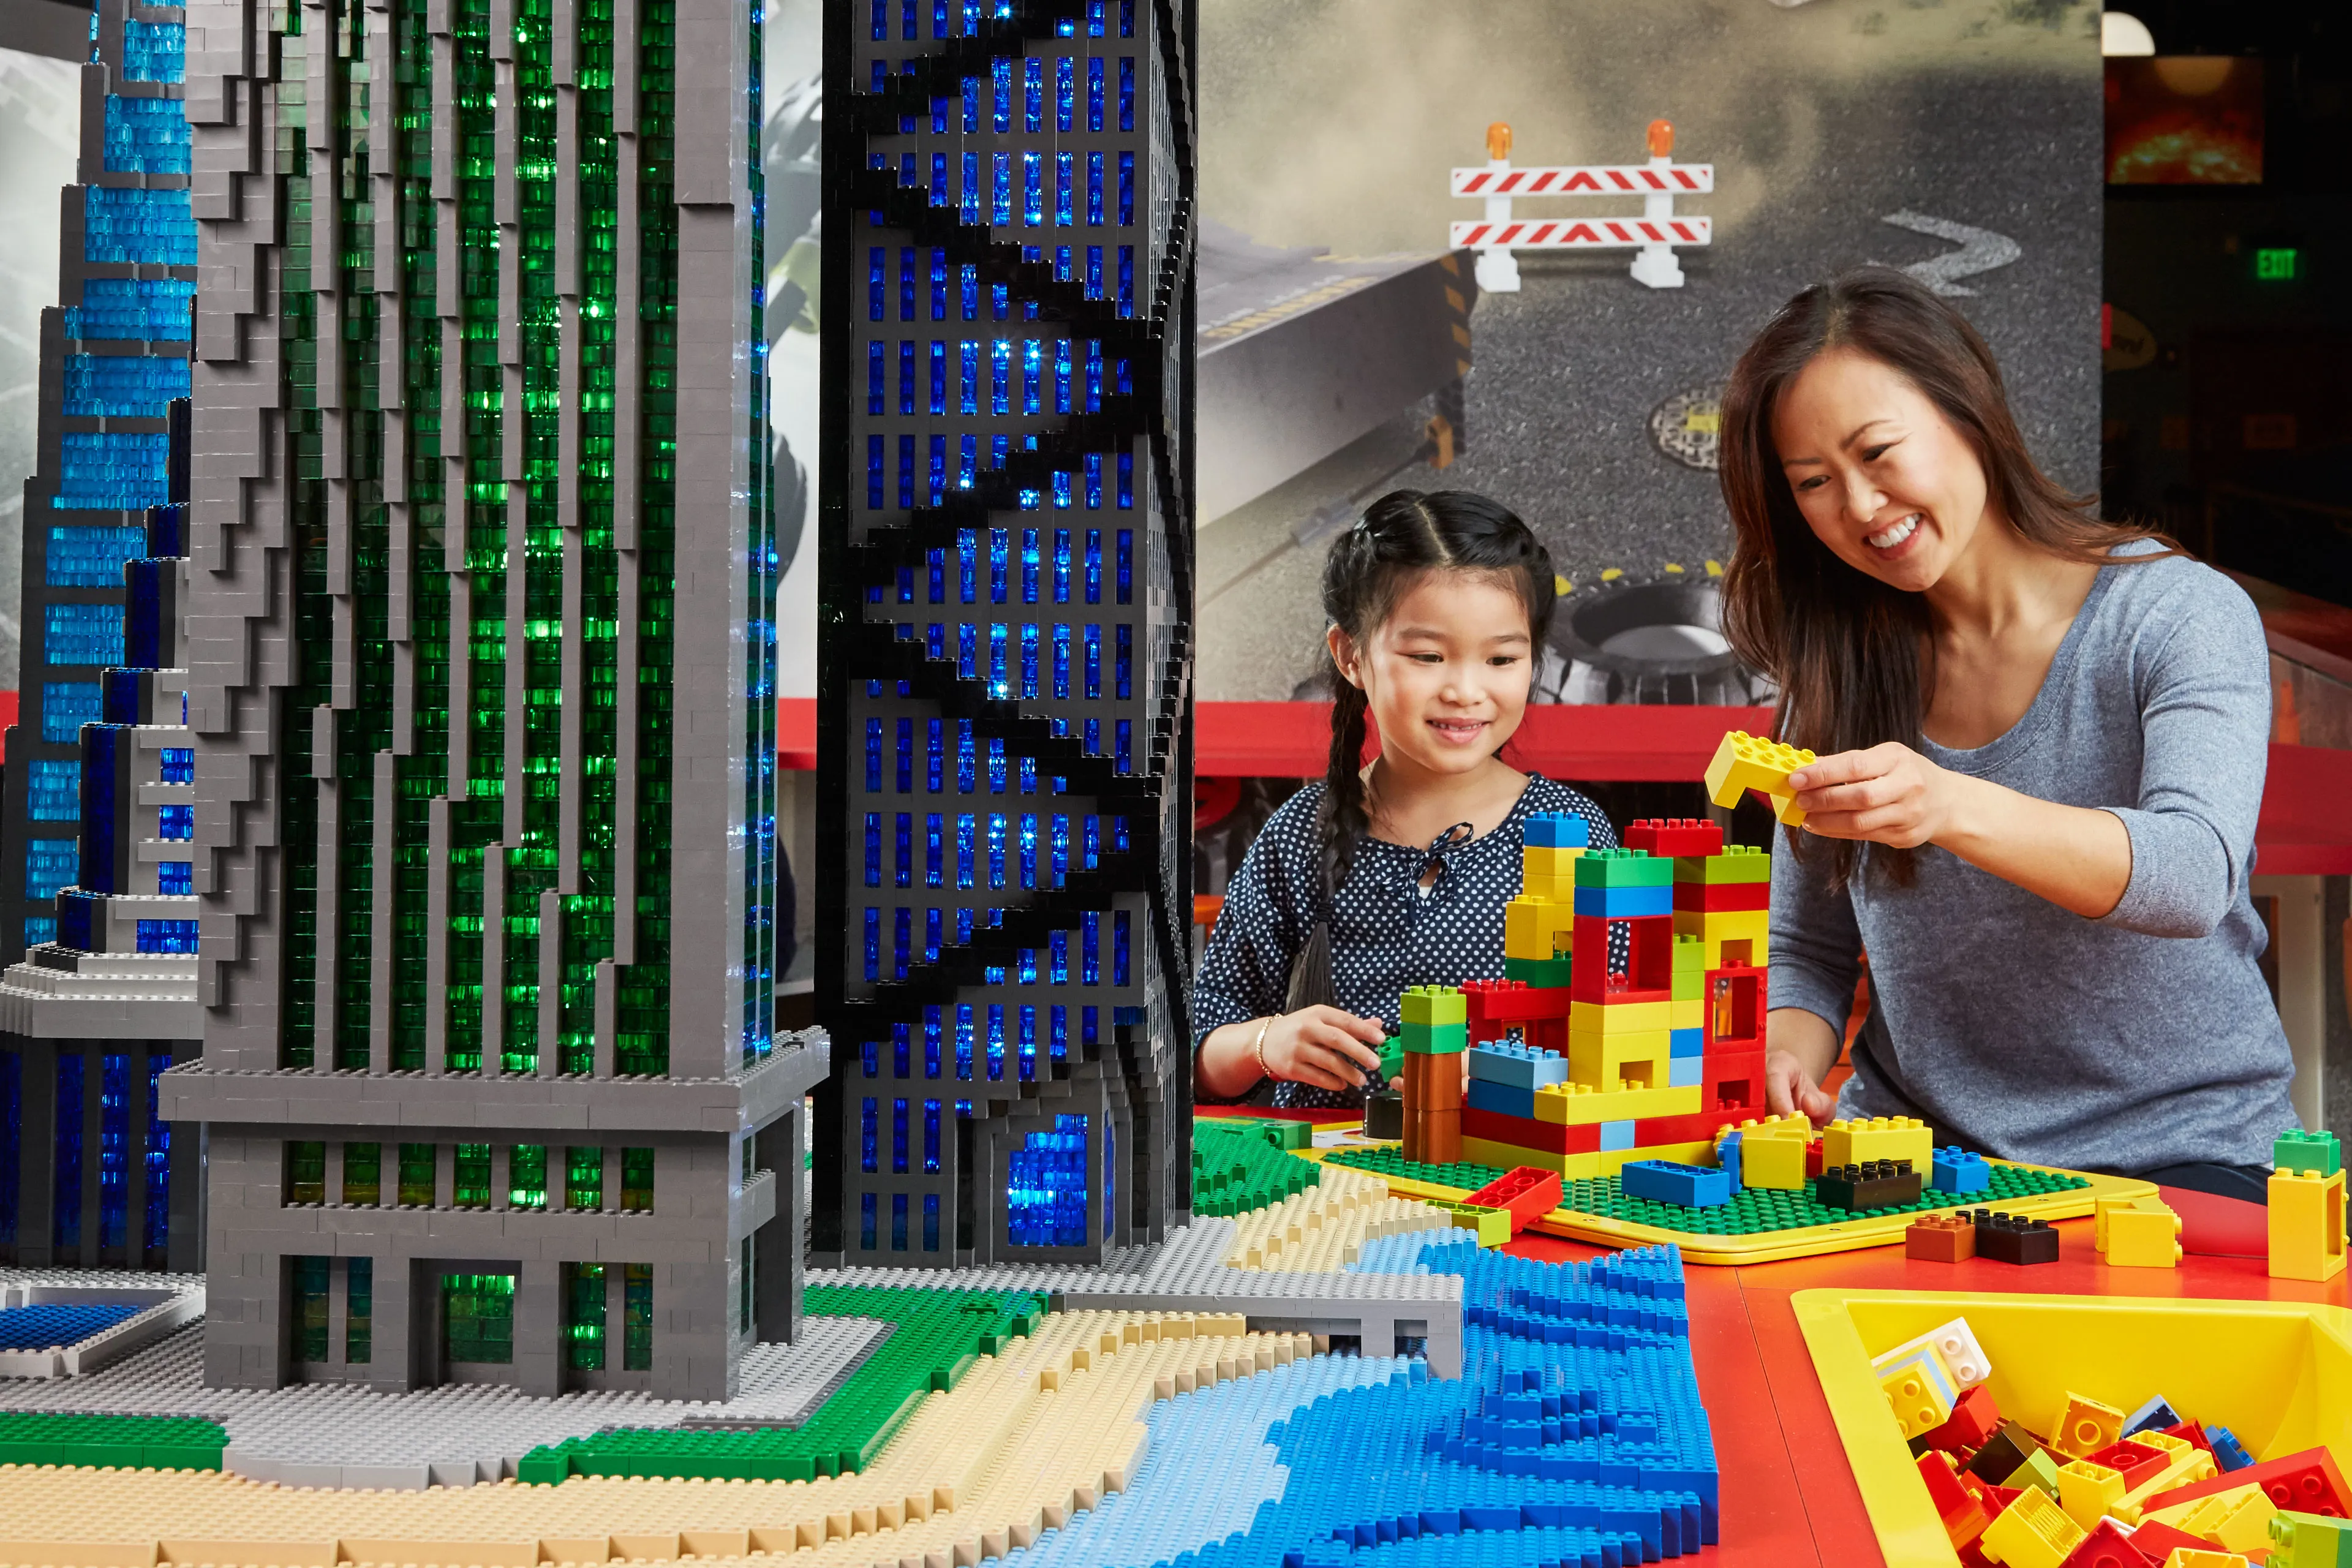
{"points": [[1257, 1048]]}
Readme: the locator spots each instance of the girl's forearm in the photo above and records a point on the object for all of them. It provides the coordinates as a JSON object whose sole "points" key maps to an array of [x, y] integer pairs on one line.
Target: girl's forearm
{"points": [[2078, 857], [1226, 1064]]}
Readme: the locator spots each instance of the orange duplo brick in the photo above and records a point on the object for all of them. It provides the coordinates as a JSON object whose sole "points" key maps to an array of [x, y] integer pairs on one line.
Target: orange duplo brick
{"points": [[1432, 1082], [1940, 1239]]}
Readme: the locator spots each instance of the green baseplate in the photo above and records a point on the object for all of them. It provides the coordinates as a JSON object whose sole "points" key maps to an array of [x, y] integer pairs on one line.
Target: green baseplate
{"points": [[1753, 1211]]}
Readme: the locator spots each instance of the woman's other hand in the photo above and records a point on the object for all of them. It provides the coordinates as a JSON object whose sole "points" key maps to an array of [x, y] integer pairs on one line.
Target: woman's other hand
{"points": [[1885, 794], [1790, 1089], [1323, 1046]]}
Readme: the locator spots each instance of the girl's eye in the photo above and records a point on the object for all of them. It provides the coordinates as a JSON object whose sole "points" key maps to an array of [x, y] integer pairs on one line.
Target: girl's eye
{"points": [[1501, 661]]}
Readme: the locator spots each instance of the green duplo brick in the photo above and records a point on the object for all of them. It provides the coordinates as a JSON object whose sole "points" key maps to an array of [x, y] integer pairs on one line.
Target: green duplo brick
{"points": [[1548, 973], [1737, 863], [1435, 1039], [1433, 1004], [2300, 1150], [1623, 868], [1392, 1057]]}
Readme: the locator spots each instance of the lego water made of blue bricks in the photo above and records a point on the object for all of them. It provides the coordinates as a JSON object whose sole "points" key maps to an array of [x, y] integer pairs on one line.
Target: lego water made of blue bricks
{"points": [[1574, 1437]]}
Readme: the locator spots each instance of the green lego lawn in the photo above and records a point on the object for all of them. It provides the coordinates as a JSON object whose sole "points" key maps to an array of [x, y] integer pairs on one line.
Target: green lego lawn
{"points": [[936, 1336], [124, 1442]]}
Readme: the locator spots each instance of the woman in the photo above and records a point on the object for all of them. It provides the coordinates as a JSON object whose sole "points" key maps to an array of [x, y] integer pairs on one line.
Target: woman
{"points": [[2042, 744]]}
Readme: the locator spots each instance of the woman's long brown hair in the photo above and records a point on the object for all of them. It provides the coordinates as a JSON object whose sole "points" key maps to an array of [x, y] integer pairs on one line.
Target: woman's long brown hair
{"points": [[1852, 655]]}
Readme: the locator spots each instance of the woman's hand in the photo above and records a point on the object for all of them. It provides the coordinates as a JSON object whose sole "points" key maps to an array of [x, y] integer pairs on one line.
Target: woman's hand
{"points": [[1325, 1046], [1886, 795], [1791, 1089]]}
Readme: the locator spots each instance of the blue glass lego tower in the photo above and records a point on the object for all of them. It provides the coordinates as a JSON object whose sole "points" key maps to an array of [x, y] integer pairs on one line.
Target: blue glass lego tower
{"points": [[1004, 782], [94, 891]]}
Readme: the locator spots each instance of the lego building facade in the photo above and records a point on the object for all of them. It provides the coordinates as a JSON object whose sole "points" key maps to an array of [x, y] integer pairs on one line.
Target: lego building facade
{"points": [[96, 920], [480, 659], [1004, 657]]}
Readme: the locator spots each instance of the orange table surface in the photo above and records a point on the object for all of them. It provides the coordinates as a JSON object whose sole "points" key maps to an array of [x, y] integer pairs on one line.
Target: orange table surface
{"points": [[1788, 1500]]}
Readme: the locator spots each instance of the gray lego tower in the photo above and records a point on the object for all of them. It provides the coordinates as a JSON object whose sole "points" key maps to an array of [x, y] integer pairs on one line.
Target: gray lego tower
{"points": [[480, 657], [1004, 524], [97, 899]]}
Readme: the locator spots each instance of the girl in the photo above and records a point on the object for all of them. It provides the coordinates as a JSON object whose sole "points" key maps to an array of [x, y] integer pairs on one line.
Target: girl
{"points": [[1437, 606], [2042, 743]]}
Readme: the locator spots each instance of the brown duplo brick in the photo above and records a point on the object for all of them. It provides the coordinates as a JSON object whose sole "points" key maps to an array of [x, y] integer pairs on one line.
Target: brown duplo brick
{"points": [[1436, 1135], [1432, 1082]]}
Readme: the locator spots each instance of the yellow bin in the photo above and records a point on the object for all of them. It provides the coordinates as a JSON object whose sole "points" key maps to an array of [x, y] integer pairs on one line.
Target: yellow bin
{"points": [[2276, 1373]]}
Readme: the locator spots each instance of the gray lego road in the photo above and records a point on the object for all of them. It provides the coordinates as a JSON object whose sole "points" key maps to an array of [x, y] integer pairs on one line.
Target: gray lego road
{"points": [[1822, 122], [329, 1435]]}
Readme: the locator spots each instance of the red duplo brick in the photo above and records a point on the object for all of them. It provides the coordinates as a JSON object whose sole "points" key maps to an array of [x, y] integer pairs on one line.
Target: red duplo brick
{"points": [[1650, 965], [1737, 998], [1734, 1083], [1813, 1156], [2191, 1432], [1959, 1498], [1973, 1419], [2308, 1482], [2138, 1462], [1651, 1131], [1528, 1193], [1512, 1001], [1521, 1132], [1713, 897], [2110, 1547], [1670, 837]]}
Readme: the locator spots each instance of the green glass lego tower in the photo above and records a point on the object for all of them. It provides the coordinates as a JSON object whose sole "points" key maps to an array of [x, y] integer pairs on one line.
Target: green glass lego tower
{"points": [[482, 654]]}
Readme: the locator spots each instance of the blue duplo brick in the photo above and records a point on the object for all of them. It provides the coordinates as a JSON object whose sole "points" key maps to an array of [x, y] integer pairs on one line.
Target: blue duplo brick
{"points": [[1624, 903], [1524, 1067], [1956, 1170], [1685, 1072], [1665, 1182], [1687, 1042], [1616, 1135], [1503, 1099], [1558, 830]]}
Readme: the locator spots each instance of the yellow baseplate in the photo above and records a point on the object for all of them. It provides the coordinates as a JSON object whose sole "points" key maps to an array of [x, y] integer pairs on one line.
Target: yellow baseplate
{"points": [[2277, 1374], [1771, 1247]]}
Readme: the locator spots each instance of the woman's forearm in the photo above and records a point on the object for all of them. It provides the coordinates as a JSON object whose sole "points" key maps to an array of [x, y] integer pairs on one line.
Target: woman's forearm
{"points": [[1805, 1036], [2078, 857], [1226, 1064]]}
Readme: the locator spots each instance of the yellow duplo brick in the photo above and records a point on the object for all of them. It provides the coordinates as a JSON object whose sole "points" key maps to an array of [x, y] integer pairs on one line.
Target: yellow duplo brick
{"points": [[1743, 762], [1878, 1138], [1526, 927], [1777, 1164], [2239, 1519], [1636, 1058], [2306, 1225], [2031, 1532], [1503, 1156], [1610, 1161], [2146, 1236], [2188, 1464], [1544, 860], [1688, 1014], [2084, 1425], [1918, 1390], [1745, 935], [2189, 1557], [1620, 1017], [2087, 1491], [1580, 1105], [2100, 1209]]}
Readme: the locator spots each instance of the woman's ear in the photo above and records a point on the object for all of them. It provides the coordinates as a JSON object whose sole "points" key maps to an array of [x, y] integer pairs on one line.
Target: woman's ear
{"points": [[1343, 655]]}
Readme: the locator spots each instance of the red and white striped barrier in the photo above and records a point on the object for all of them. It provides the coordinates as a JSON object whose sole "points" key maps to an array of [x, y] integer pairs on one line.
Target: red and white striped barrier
{"points": [[1652, 236]]}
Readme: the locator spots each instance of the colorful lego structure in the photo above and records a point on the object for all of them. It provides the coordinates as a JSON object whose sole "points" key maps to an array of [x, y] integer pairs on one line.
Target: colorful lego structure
{"points": [[1580, 1065], [97, 908]]}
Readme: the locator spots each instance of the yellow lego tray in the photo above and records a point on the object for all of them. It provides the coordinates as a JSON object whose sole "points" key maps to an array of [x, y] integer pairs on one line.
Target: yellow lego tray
{"points": [[2277, 1374], [1763, 1247]]}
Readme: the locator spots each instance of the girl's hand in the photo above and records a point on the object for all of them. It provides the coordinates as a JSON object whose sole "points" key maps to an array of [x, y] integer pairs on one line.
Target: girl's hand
{"points": [[1325, 1046], [1790, 1089], [1887, 795]]}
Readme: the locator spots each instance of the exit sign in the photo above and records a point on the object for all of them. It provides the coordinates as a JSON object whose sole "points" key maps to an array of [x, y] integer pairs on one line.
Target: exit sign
{"points": [[2277, 266]]}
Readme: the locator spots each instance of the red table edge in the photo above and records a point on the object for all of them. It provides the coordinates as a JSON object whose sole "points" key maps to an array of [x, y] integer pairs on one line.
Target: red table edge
{"points": [[2303, 830]]}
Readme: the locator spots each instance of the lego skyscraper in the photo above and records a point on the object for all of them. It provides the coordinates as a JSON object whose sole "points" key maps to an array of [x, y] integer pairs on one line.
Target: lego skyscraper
{"points": [[96, 796], [481, 676], [1004, 662]]}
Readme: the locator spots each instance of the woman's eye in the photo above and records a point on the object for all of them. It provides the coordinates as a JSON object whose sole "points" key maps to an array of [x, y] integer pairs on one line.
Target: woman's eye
{"points": [[1872, 454], [1813, 483]]}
